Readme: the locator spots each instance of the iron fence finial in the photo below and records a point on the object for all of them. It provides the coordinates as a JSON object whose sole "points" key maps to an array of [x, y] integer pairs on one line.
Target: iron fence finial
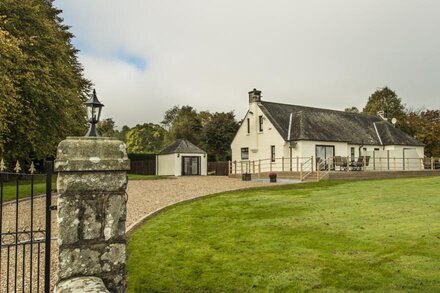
{"points": [[32, 168], [17, 168], [2, 165]]}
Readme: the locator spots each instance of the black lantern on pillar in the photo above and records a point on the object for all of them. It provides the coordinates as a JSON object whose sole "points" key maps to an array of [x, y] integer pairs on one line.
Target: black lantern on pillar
{"points": [[94, 107]]}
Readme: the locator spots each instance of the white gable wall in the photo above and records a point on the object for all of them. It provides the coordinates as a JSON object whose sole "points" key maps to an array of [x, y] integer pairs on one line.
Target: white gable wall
{"points": [[259, 143]]}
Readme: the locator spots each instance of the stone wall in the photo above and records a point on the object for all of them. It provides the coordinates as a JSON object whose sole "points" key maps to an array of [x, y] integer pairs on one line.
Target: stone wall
{"points": [[91, 186]]}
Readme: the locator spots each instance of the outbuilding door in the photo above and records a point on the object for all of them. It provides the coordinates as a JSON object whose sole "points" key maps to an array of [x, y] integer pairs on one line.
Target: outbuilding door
{"points": [[190, 165]]}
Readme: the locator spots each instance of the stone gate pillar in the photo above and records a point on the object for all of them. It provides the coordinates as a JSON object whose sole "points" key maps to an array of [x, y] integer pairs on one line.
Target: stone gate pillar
{"points": [[91, 185]]}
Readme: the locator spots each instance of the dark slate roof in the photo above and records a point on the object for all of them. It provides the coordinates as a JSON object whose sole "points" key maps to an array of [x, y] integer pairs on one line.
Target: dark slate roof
{"points": [[330, 125], [181, 146]]}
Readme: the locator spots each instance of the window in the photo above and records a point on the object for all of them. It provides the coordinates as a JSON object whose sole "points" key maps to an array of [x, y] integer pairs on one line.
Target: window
{"points": [[352, 154], [245, 153], [272, 153], [376, 149], [260, 122], [248, 126]]}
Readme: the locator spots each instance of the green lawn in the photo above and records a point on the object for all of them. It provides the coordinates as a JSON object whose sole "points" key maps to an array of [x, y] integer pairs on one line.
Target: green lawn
{"points": [[374, 236], [145, 177], [10, 188]]}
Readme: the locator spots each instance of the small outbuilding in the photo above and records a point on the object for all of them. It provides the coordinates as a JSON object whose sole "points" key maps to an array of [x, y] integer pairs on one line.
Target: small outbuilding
{"points": [[182, 158]]}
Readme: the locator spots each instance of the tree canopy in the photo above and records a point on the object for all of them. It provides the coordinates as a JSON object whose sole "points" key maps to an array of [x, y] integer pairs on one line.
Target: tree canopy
{"points": [[385, 100], [145, 138], [424, 124], [42, 87]]}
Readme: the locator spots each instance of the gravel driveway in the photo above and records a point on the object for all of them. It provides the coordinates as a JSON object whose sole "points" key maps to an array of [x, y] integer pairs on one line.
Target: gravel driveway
{"points": [[144, 198]]}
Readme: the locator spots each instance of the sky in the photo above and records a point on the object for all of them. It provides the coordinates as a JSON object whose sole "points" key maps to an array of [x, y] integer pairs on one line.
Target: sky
{"points": [[145, 56]]}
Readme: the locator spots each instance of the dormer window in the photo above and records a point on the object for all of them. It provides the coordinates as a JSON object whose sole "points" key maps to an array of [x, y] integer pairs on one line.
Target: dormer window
{"points": [[260, 123]]}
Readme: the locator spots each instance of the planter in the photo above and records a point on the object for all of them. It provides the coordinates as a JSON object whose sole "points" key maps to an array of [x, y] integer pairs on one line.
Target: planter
{"points": [[246, 177], [273, 178]]}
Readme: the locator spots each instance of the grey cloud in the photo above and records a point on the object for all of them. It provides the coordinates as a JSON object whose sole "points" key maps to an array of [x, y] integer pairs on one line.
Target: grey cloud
{"points": [[209, 53]]}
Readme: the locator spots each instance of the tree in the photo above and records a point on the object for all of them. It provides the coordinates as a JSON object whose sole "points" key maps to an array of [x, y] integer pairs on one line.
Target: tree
{"points": [[425, 126], [352, 110], [145, 138], [218, 133], [186, 124], [42, 88], [169, 117], [385, 100], [122, 135], [107, 128]]}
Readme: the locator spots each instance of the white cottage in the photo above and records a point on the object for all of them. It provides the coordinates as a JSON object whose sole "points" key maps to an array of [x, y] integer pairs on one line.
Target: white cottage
{"points": [[181, 158], [281, 133]]}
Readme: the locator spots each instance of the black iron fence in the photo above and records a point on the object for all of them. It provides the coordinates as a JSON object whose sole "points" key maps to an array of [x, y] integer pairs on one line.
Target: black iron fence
{"points": [[25, 229]]}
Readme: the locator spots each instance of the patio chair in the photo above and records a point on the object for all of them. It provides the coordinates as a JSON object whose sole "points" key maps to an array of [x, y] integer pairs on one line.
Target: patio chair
{"points": [[341, 162], [360, 162]]}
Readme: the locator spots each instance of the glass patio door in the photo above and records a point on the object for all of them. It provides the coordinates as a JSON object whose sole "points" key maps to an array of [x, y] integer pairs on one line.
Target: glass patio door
{"points": [[190, 165], [324, 152]]}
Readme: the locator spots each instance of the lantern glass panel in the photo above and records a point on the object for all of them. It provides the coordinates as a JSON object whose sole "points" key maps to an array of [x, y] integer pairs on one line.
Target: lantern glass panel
{"points": [[90, 112], [99, 108]]}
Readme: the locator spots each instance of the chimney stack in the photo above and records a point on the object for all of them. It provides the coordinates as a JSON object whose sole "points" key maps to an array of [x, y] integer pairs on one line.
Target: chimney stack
{"points": [[254, 96]]}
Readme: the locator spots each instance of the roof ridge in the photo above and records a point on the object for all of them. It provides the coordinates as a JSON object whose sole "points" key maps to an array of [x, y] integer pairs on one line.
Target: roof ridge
{"points": [[323, 109]]}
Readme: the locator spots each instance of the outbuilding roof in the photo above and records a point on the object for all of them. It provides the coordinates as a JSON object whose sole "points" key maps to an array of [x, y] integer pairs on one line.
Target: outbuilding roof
{"points": [[181, 146], [309, 123]]}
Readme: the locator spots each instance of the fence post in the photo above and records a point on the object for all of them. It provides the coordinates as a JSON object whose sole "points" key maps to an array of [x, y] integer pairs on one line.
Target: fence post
{"points": [[388, 160], [317, 172], [312, 163], [432, 163], [407, 164], [380, 163], [364, 163], [282, 164], [290, 162], [374, 161], [297, 163], [235, 167], [92, 179], [301, 172], [348, 164], [394, 164], [229, 168]]}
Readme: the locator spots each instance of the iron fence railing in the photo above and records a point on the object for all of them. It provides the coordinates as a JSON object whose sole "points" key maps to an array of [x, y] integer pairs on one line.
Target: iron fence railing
{"points": [[25, 229]]}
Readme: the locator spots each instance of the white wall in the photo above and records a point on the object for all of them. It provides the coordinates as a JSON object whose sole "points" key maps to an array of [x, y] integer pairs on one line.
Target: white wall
{"points": [[396, 158], [259, 143], [165, 165]]}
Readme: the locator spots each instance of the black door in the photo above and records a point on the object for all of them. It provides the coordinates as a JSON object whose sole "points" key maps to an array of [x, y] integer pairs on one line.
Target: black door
{"points": [[190, 165]]}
